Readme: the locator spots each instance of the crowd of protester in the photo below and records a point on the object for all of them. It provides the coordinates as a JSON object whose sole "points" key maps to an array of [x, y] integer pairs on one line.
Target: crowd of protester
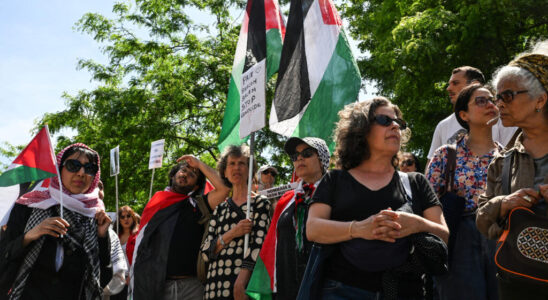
{"points": [[365, 223]]}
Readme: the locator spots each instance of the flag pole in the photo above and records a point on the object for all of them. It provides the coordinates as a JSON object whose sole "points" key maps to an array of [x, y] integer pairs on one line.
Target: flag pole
{"points": [[249, 185], [151, 181], [117, 218], [58, 174]]}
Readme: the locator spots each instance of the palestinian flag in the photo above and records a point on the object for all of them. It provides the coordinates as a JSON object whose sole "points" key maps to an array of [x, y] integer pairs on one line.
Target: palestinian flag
{"points": [[318, 74], [263, 279], [261, 37], [35, 162]]}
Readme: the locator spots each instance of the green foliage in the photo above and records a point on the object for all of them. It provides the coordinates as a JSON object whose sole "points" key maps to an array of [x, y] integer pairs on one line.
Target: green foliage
{"points": [[10, 152], [412, 47], [166, 77]]}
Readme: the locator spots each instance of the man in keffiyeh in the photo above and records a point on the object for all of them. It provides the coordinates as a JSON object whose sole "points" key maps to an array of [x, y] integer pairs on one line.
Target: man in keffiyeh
{"points": [[285, 251], [44, 256], [164, 253]]}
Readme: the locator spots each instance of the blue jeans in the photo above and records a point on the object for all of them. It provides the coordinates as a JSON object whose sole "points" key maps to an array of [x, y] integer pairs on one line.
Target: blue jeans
{"points": [[472, 270], [335, 290]]}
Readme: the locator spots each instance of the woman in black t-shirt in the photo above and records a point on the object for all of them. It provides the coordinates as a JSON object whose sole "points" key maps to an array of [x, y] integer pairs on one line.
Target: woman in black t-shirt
{"points": [[357, 206]]}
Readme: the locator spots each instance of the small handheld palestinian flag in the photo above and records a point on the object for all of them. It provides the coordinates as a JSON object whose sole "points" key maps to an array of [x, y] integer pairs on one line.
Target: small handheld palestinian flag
{"points": [[261, 37], [318, 75], [35, 162]]}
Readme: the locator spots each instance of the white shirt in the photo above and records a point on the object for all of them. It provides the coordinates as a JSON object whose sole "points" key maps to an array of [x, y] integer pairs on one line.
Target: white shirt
{"points": [[448, 129]]}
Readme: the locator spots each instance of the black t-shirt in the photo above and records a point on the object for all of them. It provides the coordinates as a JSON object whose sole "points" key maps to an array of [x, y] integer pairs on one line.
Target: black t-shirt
{"points": [[350, 200], [185, 241]]}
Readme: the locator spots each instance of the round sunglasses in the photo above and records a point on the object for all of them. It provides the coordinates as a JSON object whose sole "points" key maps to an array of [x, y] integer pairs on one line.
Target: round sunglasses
{"points": [[386, 121], [74, 165]]}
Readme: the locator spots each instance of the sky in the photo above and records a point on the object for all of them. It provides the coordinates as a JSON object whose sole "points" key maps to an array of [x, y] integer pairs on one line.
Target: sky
{"points": [[39, 50]]}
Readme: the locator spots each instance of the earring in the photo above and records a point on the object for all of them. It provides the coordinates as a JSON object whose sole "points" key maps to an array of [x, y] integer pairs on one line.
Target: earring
{"points": [[537, 109]]}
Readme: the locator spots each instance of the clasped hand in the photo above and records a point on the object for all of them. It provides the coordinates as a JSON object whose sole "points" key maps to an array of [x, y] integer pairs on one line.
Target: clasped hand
{"points": [[387, 225]]}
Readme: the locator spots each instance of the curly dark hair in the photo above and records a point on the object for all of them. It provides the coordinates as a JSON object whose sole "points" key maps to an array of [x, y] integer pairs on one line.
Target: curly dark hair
{"points": [[234, 151], [135, 225], [200, 181], [354, 125]]}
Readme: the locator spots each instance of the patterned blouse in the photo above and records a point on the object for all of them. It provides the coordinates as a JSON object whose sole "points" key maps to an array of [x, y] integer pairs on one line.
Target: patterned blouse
{"points": [[225, 266], [470, 174]]}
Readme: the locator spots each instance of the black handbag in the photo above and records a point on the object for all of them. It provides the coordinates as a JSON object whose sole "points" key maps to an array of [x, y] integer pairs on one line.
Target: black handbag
{"points": [[522, 249], [452, 204]]}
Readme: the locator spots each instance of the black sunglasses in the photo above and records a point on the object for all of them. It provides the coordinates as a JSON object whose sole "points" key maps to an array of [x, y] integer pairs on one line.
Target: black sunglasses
{"points": [[122, 217], [266, 172], [482, 101], [306, 153], [386, 121], [508, 95], [74, 165], [408, 162]]}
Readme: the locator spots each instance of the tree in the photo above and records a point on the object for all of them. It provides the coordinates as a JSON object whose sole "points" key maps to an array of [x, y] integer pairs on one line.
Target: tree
{"points": [[167, 77], [412, 47]]}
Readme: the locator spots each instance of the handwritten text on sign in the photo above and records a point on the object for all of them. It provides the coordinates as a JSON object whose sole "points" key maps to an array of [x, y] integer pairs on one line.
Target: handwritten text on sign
{"points": [[156, 154], [252, 99]]}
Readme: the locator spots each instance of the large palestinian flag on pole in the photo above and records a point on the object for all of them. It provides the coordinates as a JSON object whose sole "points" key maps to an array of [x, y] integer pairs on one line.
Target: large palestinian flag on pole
{"points": [[261, 37], [318, 74], [35, 162]]}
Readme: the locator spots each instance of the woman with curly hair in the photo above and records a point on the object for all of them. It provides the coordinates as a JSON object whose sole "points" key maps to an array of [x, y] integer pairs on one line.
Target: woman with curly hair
{"points": [[129, 223], [356, 207]]}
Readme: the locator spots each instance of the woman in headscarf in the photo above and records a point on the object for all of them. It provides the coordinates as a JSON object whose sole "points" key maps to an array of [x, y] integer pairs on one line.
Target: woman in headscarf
{"points": [[522, 94], [471, 266], [44, 256], [286, 248], [229, 267]]}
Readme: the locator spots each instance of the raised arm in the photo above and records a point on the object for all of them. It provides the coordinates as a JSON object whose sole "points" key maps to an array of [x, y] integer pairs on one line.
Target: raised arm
{"points": [[221, 191]]}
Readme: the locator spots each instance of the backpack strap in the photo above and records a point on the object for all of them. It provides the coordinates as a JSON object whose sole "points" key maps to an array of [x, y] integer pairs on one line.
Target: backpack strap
{"points": [[450, 167], [506, 172]]}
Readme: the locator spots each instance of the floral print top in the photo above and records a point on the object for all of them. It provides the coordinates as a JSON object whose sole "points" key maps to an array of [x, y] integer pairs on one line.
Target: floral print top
{"points": [[470, 173]]}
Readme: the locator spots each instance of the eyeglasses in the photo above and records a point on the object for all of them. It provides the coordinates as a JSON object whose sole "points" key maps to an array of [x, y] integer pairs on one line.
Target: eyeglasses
{"points": [[386, 121], [508, 95], [122, 217], [306, 153], [482, 101], [74, 165], [408, 162], [266, 172]]}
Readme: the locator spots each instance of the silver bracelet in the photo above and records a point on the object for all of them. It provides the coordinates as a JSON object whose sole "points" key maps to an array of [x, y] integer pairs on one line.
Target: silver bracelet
{"points": [[221, 240]]}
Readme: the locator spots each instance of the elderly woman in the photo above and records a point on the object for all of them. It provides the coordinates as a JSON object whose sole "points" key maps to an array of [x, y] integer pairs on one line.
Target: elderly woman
{"points": [[471, 266], [266, 176], [44, 256], [229, 267], [357, 205], [286, 240], [522, 88]]}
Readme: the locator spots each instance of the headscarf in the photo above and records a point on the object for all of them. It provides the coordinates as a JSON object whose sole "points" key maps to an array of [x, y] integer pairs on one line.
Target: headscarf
{"points": [[80, 214], [86, 204], [316, 143], [537, 64]]}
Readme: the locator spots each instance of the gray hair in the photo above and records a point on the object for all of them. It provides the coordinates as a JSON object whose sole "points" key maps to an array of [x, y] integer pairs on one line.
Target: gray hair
{"points": [[524, 78]]}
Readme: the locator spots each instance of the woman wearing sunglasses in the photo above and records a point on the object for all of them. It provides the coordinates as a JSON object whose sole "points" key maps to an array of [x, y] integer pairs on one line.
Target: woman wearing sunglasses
{"points": [[471, 266], [286, 240], [408, 162], [44, 256], [522, 94], [356, 207]]}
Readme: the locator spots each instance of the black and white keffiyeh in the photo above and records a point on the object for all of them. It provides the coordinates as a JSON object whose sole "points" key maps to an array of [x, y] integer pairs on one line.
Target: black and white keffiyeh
{"points": [[82, 234]]}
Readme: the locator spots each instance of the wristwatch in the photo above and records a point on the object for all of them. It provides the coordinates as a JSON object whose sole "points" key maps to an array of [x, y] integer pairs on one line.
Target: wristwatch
{"points": [[221, 240]]}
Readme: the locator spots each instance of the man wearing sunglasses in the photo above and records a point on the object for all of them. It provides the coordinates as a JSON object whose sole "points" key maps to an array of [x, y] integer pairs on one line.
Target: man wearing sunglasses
{"points": [[449, 129], [165, 255]]}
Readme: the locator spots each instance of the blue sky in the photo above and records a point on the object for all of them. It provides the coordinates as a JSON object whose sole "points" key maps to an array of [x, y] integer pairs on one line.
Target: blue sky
{"points": [[39, 49]]}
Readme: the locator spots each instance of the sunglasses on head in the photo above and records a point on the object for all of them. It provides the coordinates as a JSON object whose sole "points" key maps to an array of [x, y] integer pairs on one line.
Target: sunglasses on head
{"points": [[408, 162], [266, 172], [306, 153], [386, 121], [508, 95], [74, 165], [482, 101]]}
